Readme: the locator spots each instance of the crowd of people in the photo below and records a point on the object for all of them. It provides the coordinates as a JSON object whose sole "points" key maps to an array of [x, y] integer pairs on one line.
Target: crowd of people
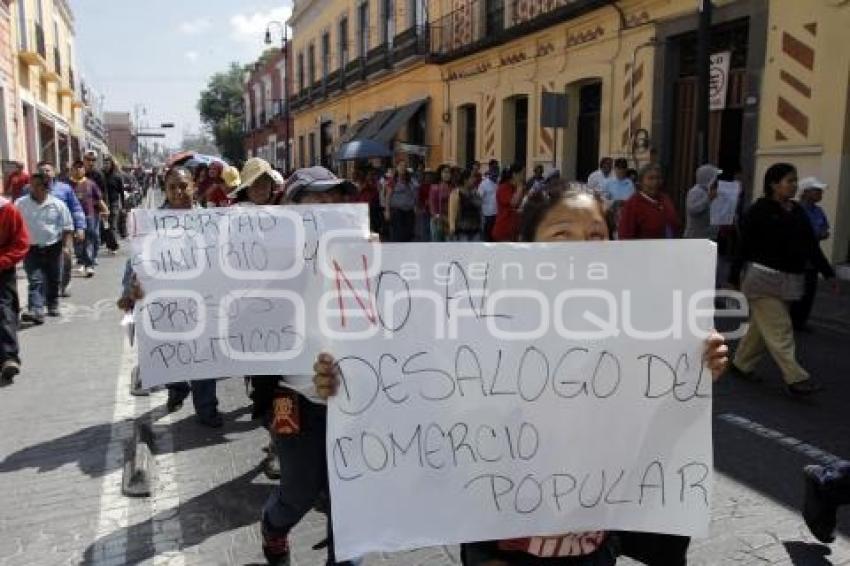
{"points": [[775, 261]]}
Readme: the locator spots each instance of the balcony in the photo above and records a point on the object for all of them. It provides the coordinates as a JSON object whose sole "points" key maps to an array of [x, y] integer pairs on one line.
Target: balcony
{"points": [[355, 71], [67, 87], [32, 49], [54, 69], [378, 59], [411, 42], [480, 24]]}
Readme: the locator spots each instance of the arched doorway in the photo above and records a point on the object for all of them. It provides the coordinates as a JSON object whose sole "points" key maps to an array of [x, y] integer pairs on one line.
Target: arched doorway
{"points": [[580, 155], [515, 130]]}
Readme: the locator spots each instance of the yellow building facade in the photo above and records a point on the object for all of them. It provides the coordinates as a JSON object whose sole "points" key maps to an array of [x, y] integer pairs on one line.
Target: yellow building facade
{"points": [[625, 75], [49, 110], [362, 72]]}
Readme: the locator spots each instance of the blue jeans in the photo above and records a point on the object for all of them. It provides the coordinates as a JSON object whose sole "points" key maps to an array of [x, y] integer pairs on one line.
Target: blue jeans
{"points": [[203, 395], [87, 249], [44, 272], [303, 474]]}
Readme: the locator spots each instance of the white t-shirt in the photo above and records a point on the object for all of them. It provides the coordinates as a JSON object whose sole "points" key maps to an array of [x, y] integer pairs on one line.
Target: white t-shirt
{"points": [[596, 181], [487, 190]]}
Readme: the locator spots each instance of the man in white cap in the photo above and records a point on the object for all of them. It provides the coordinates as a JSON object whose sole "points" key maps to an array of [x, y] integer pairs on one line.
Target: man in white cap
{"points": [[698, 204], [812, 193]]}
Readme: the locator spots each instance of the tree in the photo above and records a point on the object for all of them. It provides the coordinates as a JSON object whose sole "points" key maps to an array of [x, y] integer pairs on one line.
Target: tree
{"points": [[220, 107]]}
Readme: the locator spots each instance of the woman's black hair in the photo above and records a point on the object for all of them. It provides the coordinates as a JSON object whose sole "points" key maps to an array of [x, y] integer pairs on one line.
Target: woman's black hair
{"points": [[177, 169], [540, 203], [509, 172], [774, 174]]}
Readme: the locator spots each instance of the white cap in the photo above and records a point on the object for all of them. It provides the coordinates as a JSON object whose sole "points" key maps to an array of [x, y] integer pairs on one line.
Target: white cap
{"points": [[812, 183]]}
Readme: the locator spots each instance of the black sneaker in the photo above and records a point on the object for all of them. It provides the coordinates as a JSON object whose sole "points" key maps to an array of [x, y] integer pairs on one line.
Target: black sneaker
{"points": [[8, 371], [803, 388], [175, 402], [736, 372], [53, 312], [818, 512], [212, 421], [276, 549], [32, 317]]}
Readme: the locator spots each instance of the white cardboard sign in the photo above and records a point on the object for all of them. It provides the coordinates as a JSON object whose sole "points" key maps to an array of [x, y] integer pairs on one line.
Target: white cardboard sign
{"points": [[232, 291], [511, 390]]}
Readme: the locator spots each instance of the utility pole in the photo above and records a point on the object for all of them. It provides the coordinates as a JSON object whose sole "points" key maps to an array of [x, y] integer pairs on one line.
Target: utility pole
{"points": [[703, 79]]}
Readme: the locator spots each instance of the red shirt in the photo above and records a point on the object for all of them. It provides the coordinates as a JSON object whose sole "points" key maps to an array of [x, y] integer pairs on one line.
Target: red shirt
{"points": [[424, 197], [217, 195], [506, 227], [14, 238], [648, 218], [15, 185]]}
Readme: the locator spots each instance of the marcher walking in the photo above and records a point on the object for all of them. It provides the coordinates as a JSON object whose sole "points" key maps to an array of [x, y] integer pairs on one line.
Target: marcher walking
{"points": [[618, 187], [777, 242], [14, 245], [439, 204], [489, 208], [649, 214], [401, 204], [94, 208], [50, 227], [698, 204], [812, 193], [465, 209], [179, 195], [299, 414], [508, 199], [113, 191], [596, 180], [556, 217], [14, 184]]}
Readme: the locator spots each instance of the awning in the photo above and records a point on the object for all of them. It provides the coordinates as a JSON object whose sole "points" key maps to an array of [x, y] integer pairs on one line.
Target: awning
{"points": [[377, 132], [401, 116]]}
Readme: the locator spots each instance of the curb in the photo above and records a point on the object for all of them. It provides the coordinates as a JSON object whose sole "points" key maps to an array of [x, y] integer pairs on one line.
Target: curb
{"points": [[139, 465]]}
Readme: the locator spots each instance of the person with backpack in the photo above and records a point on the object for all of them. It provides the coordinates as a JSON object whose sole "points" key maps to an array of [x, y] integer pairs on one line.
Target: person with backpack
{"points": [[465, 209]]}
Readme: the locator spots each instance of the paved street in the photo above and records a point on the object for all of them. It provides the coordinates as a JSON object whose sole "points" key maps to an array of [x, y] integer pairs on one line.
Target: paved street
{"points": [[66, 420]]}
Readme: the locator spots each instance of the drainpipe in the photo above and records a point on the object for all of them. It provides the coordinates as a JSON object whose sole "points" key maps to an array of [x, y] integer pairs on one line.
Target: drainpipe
{"points": [[651, 43]]}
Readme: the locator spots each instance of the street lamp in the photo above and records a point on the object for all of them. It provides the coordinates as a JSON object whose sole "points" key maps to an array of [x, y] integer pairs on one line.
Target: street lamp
{"points": [[285, 49]]}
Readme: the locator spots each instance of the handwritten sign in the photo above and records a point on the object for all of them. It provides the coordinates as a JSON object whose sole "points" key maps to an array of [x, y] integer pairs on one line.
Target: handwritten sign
{"points": [[510, 390], [722, 211], [231, 291]]}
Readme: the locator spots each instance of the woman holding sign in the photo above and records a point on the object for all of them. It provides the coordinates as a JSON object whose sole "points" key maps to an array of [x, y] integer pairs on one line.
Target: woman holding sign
{"points": [[553, 215], [179, 195]]}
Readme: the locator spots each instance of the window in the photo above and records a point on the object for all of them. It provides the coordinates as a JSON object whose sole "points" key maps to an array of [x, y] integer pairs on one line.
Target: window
{"points": [[418, 16], [301, 72], [343, 43], [301, 152], [388, 22], [363, 30], [312, 149], [311, 64], [326, 55]]}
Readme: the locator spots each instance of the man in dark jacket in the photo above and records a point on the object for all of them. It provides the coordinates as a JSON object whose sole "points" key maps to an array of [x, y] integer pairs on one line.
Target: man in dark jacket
{"points": [[113, 191]]}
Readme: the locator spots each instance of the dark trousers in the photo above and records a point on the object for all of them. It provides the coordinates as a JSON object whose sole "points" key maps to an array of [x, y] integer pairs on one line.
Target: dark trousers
{"points": [[203, 395], [654, 549], [44, 272], [303, 474], [834, 483], [800, 310], [487, 228], [8, 316], [402, 225]]}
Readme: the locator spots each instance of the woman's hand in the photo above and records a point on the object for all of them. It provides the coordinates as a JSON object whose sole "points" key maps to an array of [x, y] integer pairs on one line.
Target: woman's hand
{"points": [[716, 355], [326, 378]]}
